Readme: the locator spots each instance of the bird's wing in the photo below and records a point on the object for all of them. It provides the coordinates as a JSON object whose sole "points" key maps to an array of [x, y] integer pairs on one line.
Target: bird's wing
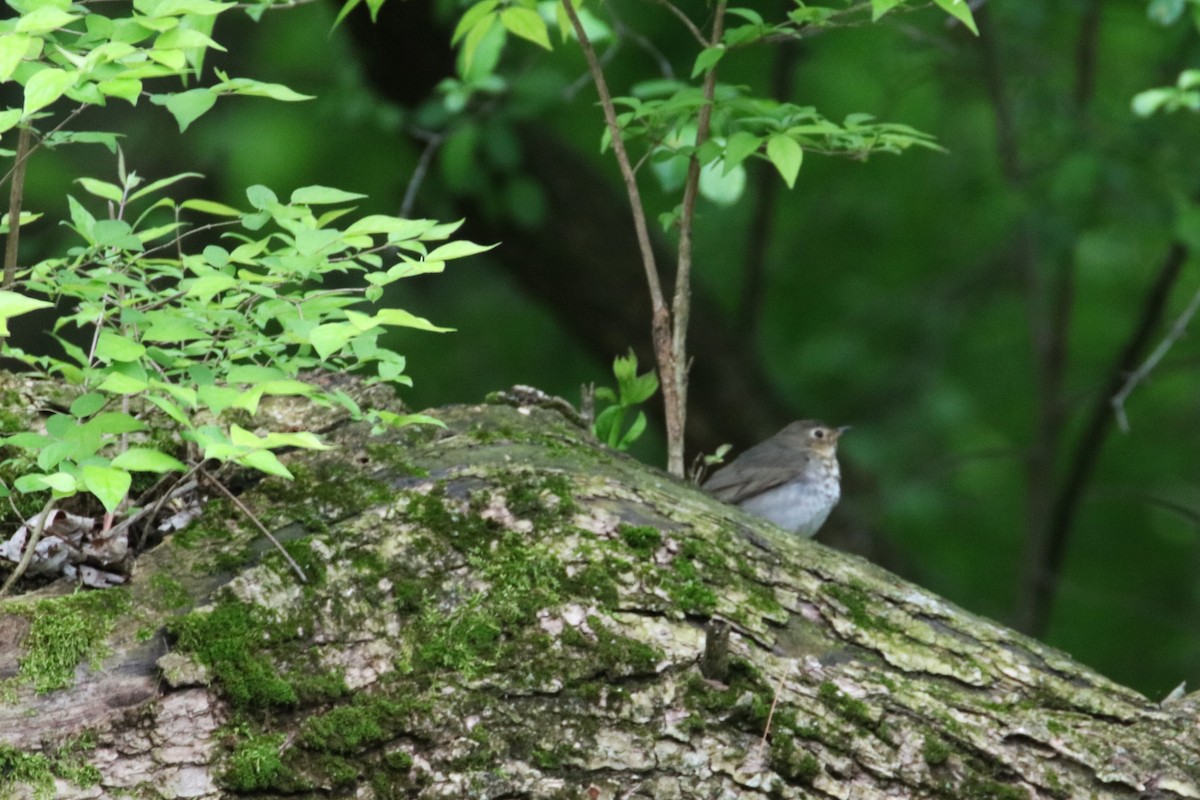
{"points": [[753, 476]]}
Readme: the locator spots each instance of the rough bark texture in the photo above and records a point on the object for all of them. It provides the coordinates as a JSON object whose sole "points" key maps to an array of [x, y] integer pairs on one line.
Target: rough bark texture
{"points": [[506, 609]]}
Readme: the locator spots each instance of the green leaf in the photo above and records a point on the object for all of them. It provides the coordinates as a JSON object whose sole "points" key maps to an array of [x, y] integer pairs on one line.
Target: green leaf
{"points": [[143, 459], [786, 154], [707, 59], [634, 433], [115, 423], [210, 207], [960, 11], [187, 106], [396, 228], [322, 195], [114, 347], [261, 197], [881, 7], [87, 404], [739, 147], [151, 188], [14, 305], [475, 37], [253, 88], [331, 337], [109, 484], [527, 24], [13, 47], [264, 461], [43, 20], [168, 328], [45, 87], [472, 17], [128, 89], [1146, 103], [125, 378], [457, 249], [105, 191], [62, 484], [400, 317]]}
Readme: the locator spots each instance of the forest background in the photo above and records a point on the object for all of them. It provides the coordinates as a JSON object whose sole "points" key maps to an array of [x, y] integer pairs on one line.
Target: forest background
{"points": [[969, 312]]}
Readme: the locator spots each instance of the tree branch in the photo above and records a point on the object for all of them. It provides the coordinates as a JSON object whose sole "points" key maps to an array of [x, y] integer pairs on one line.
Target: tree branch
{"points": [[681, 305], [661, 315]]}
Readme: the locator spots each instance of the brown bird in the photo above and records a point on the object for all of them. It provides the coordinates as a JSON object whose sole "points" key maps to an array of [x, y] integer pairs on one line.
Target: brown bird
{"points": [[791, 479]]}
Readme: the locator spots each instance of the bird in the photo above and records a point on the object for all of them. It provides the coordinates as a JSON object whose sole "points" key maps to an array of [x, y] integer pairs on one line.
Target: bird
{"points": [[792, 478]]}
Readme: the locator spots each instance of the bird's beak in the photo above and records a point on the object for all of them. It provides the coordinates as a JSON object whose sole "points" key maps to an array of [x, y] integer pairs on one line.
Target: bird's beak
{"points": [[842, 430]]}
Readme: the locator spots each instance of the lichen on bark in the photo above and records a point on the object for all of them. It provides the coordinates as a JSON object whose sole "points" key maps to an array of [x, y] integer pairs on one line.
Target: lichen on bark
{"points": [[505, 608]]}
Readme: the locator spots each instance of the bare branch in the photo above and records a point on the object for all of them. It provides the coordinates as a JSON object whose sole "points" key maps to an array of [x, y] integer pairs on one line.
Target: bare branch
{"points": [[1138, 375], [682, 302], [250, 516]]}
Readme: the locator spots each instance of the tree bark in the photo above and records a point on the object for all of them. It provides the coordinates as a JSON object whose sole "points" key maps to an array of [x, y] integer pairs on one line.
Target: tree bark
{"points": [[504, 608]]}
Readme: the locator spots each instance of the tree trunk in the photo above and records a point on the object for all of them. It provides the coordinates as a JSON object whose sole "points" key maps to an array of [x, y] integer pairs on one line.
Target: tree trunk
{"points": [[506, 609]]}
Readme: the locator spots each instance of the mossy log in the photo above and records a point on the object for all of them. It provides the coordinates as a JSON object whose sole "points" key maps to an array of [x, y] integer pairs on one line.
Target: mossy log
{"points": [[504, 608]]}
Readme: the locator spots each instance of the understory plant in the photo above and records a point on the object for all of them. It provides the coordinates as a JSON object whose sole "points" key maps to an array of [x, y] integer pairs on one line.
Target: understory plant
{"points": [[187, 310], [693, 135]]}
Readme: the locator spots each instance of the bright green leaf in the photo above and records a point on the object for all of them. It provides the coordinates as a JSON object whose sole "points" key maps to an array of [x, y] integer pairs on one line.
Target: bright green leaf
{"points": [[400, 317], [87, 404], [45, 87], [62, 484], [43, 20], [960, 11], [143, 459], [13, 47], [187, 106], [109, 484], [707, 59], [457, 249], [112, 346], [786, 154], [527, 24], [14, 305], [322, 195]]}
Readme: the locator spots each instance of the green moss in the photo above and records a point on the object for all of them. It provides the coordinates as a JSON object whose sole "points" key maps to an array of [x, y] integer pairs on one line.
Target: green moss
{"points": [[685, 587], [31, 769], [169, 593], [856, 600], [320, 688], [65, 631], [38, 771], [229, 640], [641, 539], [980, 789], [935, 751], [794, 764], [349, 729], [854, 710], [398, 761], [256, 763]]}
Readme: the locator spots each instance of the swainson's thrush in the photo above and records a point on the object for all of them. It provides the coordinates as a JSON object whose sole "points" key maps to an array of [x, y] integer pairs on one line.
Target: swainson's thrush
{"points": [[791, 479]]}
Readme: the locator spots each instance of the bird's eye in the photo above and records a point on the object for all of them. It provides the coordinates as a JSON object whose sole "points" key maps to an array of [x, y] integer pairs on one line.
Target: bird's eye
{"points": [[818, 434]]}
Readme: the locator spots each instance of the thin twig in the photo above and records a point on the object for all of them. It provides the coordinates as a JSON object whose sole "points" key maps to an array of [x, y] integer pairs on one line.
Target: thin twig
{"points": [[1178, 329], [250, 516], [30, 546], [681, 305], [762, 745], [41, 140], [16, 196], [432, 143], [685, 19], [661, 319]]}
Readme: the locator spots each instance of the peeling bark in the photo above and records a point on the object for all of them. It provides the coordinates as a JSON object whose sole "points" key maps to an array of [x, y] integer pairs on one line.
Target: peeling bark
{"points": [[507, 609]]}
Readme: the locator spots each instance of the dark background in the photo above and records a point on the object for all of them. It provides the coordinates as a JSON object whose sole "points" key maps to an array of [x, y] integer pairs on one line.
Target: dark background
{"points": [[968, 312]]}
